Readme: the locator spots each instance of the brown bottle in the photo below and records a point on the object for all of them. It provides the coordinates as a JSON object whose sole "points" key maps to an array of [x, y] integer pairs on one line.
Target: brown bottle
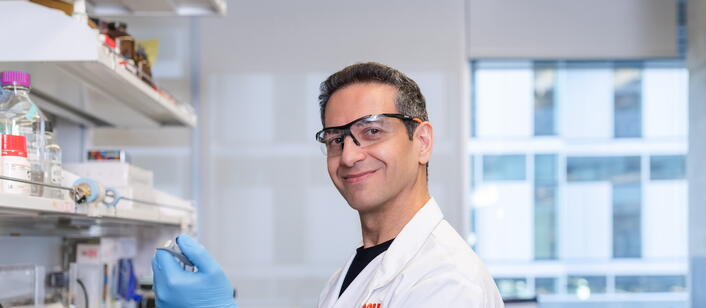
{"points": [[125, 44], [143, 66]]}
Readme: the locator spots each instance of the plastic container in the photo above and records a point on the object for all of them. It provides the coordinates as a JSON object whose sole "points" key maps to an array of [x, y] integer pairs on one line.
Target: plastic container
{"points": [[15, 164], [21, 117], [22, 285]]}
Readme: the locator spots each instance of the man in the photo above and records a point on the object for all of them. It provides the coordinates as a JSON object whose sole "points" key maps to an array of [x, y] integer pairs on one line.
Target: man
{"points": [[378, 141]]}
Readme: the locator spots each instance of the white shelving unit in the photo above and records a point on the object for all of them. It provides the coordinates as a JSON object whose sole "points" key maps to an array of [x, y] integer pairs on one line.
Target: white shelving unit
{"points": [[13, 205], [75, 75], [88, 87], [157, 7]]}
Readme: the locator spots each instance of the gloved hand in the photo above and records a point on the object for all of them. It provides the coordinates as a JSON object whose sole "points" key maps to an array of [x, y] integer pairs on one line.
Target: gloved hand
{"points": [[177, 288]]}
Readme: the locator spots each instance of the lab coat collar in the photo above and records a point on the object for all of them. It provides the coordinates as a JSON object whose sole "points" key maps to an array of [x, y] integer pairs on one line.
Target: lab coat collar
{"points": [[408, 242]]}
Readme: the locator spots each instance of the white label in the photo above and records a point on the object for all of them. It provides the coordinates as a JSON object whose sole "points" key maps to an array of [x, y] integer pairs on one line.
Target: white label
{"points": [[18, 168]]}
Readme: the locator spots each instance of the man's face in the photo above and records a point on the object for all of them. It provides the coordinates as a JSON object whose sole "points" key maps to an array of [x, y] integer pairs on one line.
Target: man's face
{"points": [[369, 176]]}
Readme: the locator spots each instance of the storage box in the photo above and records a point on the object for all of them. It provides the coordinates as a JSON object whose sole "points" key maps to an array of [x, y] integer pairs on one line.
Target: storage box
{"points": [[113, 174], [137, 192], [164, 198]]}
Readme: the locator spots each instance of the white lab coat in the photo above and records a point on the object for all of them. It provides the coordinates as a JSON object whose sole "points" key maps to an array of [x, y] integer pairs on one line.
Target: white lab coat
{"points": [[428, 265]]}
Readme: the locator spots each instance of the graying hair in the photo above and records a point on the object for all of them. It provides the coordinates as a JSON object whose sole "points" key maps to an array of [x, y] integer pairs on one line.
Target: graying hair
{"points": [[409, 101]]}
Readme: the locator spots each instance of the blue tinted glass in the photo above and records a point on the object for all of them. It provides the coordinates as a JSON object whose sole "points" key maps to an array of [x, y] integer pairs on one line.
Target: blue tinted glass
{"points": [[545, 285], [545, 200], [627, 239], [617, 169], [668, 167], [544, 92], [545, 232], [504, 168], [577, 284], [648, 284], [545, 169], [627, 106]]}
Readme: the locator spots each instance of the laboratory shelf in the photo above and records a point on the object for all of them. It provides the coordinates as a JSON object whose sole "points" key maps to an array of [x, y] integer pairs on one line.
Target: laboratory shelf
{"points": [[77, 76], [157, 7], [21, 214]]}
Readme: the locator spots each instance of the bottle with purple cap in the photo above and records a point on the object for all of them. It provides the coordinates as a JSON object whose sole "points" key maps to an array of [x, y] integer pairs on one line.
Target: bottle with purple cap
{"points": [[20, 116]]}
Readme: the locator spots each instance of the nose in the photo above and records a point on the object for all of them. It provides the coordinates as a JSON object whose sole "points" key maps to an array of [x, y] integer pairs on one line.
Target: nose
{"points": [[352, 153]]}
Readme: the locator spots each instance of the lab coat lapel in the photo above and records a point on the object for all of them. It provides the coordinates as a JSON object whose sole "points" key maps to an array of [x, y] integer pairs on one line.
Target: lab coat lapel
{"points": [[405, 246], [408, 243]]}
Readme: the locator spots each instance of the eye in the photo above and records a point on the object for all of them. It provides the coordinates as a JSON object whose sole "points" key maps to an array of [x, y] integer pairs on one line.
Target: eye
{"points": [[373, 131], [334, 141]]}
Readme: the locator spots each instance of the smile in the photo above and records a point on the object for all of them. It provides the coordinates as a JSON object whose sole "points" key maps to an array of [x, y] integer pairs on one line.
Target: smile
{"points": [[358, 177]]}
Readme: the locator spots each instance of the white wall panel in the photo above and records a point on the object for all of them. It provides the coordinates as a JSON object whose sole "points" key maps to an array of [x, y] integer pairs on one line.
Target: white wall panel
{"points": [[241, 98], [505, 227], [324, 218], [665, 102], [664, 217], [504, 102], [586, 92], [585, 221]]}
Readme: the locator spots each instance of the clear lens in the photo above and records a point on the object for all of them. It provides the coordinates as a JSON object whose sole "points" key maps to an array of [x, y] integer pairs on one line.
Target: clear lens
{"points": [[368, 131], [365, 132], [331, 139]]}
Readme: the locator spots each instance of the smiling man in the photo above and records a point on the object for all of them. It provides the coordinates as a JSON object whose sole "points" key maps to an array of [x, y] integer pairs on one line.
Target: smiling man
{"points": [[378, 140]]}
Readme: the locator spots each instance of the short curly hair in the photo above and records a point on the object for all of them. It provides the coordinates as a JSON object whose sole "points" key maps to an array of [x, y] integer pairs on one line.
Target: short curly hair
{"points": [[410, 100]]}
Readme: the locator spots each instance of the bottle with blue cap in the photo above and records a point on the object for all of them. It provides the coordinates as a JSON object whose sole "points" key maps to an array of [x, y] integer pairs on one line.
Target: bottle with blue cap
{"points": [[20, 116]]}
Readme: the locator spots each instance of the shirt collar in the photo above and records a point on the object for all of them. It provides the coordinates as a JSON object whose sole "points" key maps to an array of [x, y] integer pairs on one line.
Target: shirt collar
{"points": [[409, 242]]}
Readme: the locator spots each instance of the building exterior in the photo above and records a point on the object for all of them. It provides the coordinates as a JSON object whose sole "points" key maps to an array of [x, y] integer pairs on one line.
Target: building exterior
{"points": [[578, 180]]}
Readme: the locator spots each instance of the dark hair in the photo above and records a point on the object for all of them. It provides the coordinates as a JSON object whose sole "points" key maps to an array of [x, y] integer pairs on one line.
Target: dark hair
{"points": [[409, 101]]}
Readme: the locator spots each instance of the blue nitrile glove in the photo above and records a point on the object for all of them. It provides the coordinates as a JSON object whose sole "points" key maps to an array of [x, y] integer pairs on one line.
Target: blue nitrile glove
{"points": [[177, 288]]}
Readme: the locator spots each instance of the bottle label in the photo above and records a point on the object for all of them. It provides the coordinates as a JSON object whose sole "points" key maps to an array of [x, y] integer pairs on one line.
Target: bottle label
{"points": [[17, 170]]}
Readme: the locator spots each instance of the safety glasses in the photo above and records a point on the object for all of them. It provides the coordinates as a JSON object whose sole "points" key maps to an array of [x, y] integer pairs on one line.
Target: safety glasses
{"points": [[364, 131]]}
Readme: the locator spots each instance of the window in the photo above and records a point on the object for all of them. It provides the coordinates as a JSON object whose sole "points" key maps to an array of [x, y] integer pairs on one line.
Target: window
{"points": [[511, 288], [627, 104], [649, 284], [584, 286], [616, 169], [544, 92], [572, 154], [545, 285], [545, 200], [627, 240], [545, 169], [668, 167], [504, 168]]}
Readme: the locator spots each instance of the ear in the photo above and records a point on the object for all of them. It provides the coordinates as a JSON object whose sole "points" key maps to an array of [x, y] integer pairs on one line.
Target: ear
{"points": [[424, 141]]}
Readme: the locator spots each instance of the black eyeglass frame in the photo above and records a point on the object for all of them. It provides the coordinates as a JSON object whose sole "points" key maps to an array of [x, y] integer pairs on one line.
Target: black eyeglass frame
{"points": [[347, 127]]}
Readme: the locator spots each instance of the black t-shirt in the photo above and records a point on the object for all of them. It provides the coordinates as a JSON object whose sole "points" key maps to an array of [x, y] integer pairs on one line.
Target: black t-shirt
{"points": [[363, 256]]}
